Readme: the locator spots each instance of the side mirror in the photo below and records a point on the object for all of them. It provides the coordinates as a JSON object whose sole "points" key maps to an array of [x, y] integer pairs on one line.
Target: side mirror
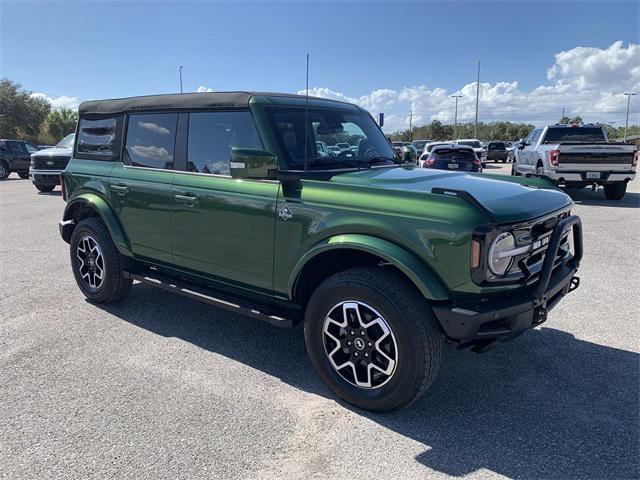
{"points": [[252, 163]]}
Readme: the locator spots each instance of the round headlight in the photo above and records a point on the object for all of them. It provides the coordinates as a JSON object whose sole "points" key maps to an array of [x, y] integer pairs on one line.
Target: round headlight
{"points": [[498, 265]]}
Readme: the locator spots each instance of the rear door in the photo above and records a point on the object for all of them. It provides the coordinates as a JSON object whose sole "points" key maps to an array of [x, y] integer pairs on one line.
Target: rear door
{"points": [[223, 228], [141, 185], [20, 156]]}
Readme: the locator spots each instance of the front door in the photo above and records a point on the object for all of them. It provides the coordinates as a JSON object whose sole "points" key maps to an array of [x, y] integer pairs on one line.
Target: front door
{"points": [[21, 157], [141, 186], [223, 228]]}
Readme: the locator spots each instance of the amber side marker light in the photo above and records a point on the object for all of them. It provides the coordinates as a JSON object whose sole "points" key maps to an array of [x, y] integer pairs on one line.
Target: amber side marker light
{"points": [[475, 254]]}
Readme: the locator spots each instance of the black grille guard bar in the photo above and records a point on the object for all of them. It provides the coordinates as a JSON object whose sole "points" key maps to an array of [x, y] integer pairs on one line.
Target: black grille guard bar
{"points": [[552, 251]]}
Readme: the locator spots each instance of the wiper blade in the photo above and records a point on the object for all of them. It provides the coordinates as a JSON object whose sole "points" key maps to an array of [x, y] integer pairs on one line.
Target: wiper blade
{"points": [[376, 160]]}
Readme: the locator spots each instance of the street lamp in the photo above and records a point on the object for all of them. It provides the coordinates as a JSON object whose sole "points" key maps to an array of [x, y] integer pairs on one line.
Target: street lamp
{"points": [[626, 123], [475, 126], [455, 117], [180, 78]]}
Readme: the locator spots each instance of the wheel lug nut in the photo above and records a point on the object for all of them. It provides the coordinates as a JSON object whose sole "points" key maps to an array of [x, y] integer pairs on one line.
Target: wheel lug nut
{"points": [[348, 343], [362, 333], [352, 332], [356, 354], [366, 354], [369, 343]]}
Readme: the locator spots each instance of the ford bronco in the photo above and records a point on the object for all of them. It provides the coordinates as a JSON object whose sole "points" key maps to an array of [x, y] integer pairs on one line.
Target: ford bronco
{"points": [[224, 197]]}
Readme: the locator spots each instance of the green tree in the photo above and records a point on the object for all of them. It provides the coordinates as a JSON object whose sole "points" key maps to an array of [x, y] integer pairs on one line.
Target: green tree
{"points": [[62, 122], [21, 115]]}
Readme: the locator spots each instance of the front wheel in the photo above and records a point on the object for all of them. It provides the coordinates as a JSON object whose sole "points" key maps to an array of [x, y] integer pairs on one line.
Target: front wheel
{"points": [[97, 265], [44, 188], [615, 191], [372, 338], [23, 175]]}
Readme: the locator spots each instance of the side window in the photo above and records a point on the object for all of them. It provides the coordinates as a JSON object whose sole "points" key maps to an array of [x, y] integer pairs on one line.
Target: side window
{"points": [[536, 136], [211, 137], [31, 148], [151, 139], [17, 148], [97, 138], [530, 137]]}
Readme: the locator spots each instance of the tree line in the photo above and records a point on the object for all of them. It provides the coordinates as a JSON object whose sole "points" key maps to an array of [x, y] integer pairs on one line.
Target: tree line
{"points": [[508, 131], [25, 117]]}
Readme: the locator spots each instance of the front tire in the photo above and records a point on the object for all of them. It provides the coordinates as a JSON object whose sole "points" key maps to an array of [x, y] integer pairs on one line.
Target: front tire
{"points": [[372, 338], [44, 188], [615, 191], [97, 265], [23, 175]]}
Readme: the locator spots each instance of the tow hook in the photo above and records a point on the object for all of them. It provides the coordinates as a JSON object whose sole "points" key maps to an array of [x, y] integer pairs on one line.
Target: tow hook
{"points": [[539, 315], [575, 283]]}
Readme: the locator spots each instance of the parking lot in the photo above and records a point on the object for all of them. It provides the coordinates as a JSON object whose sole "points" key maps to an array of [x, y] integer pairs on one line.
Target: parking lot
{"points": [[161, 386]]}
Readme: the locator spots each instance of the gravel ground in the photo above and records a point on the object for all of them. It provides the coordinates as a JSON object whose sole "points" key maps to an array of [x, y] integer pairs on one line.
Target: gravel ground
{"points": [[161, 386]]}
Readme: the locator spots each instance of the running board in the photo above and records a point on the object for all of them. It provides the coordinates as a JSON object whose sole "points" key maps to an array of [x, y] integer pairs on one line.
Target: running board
{"points": [[207, 296]]}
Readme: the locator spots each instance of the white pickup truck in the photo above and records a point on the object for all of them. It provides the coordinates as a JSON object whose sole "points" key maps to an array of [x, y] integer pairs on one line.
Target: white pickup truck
{"points": [[576, 156]]}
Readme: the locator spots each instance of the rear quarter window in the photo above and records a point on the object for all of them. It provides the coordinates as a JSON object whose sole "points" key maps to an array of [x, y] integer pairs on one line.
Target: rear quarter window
{"points": [[99, 138]]}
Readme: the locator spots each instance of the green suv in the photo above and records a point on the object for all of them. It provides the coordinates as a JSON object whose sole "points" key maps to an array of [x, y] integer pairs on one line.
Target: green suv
{"points": [[225, 198]]}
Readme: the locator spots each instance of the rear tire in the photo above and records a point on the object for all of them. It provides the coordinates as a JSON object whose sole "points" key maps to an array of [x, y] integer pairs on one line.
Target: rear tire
{"points": [[4, 171], [615, 191], [44, 188], [23, 175], [514, 169], [97, 265], [401, 363]]}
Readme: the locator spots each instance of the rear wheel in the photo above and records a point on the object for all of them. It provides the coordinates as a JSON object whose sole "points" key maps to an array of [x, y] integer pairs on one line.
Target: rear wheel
{"points": [[514, 169], [44, 188], [4, 171], [23, 174], [372, 338], [540, 170], [97, 265], [615, 191]]}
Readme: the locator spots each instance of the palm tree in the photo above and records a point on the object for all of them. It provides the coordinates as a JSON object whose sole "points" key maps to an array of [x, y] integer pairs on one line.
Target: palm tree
{"points": [[62, 122]]}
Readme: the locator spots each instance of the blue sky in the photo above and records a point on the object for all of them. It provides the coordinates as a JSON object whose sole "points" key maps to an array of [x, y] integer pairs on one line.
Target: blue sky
{"points": [[428, 50]]}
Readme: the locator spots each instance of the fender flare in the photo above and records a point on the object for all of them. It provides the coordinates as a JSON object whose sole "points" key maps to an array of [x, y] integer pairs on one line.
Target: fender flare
{"points": [[419, 273], [107, 215]]}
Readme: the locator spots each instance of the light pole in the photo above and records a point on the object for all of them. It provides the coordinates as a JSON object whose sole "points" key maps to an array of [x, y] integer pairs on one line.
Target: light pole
{"points": [[180, 78], [626, 122], [455, 117], [411, 125], [475, 127]]}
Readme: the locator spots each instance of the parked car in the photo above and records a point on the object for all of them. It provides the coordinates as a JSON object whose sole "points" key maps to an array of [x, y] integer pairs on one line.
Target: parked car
{"points": [[42, 147], [497, 151], [333, 150], [428, 147], [14, 157], [47, 165], [511, 147], [322, 149], [420, 144], [477, 146], [381, 261], [453, 157], [576, 156]]}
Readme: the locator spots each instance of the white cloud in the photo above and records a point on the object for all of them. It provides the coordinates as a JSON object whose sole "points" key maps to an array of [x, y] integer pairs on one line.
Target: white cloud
{"points": [[154, 127], [59, 102], [588, 82], [202, 89]]}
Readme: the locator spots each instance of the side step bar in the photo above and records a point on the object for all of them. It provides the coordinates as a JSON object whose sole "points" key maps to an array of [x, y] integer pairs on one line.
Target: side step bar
{"points": [[207, 296]]}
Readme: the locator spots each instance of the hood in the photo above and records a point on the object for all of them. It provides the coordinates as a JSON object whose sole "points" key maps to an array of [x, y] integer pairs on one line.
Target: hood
{"points": [[508, 199], [53, 152]]}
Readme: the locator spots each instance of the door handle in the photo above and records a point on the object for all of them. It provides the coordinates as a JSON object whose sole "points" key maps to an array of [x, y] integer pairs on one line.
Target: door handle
{"points": [[120, 189], [187, 200]]}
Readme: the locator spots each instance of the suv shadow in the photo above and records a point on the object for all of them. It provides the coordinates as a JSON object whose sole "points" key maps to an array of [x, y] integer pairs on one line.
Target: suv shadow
{"points": [[546, 405], [586, 196]]}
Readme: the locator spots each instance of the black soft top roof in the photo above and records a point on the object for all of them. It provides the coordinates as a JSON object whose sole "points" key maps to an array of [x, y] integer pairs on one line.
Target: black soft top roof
{"points": [[178, 101]]}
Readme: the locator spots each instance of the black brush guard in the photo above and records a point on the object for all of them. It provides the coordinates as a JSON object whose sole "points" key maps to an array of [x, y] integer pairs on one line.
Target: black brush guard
{"points": [[499, 318]]}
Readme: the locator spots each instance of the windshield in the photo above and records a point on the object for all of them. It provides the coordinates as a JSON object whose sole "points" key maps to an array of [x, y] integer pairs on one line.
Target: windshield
{"points": [[67, 142], [471, 143], [353, 138], [574, 134]]}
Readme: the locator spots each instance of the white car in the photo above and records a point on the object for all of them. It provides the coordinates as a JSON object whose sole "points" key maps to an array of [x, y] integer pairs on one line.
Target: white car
{"points": [[576, 156]]}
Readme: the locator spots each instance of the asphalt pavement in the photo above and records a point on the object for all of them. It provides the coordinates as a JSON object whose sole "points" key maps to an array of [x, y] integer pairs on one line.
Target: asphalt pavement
{"points": [[164, 387]]}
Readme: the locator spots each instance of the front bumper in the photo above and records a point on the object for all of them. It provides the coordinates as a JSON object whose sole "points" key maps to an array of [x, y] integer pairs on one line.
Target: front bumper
{"points": [[48, 177], [502, 318]]}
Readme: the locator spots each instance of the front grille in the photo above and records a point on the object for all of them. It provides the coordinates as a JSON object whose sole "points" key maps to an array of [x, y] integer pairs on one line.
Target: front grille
{"points": [[50, 163], [530, 263]]}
